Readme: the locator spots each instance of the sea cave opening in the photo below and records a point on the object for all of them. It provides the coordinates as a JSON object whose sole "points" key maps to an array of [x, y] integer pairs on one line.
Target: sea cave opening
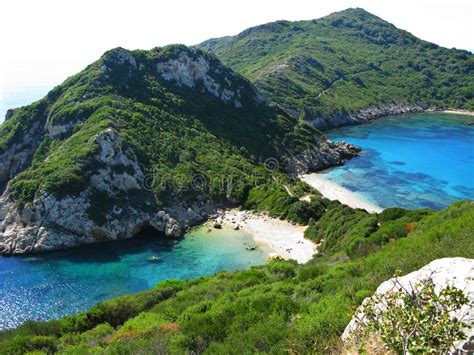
{"points": [[147, 231]]}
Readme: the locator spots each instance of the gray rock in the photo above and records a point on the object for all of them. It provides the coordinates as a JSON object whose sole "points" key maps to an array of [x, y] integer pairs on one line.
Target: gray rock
{"points": [[457, 272], [161, 214], [365, 115]]}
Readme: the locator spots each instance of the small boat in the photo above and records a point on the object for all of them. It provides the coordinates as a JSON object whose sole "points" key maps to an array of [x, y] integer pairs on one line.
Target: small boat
{"points": [[154, 259]]}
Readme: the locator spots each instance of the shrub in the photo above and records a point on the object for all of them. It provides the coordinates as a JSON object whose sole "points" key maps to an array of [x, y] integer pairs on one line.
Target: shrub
{"points": [[416, 320]]}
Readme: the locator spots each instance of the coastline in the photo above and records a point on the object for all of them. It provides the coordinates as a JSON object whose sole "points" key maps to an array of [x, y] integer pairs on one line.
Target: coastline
{"points": [[333, 191], [282, 237], [372, 113], [458, 112]]}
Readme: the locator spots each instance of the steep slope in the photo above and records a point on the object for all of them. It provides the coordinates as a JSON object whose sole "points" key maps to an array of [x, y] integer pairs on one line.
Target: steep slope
{"points": [[277, 308], [141, 138], [347, 67]]}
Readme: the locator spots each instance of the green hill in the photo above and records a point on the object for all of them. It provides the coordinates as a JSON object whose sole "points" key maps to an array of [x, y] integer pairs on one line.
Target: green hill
{"points": [[345, 62], [278, 308], [163, 138], [139, 138]]}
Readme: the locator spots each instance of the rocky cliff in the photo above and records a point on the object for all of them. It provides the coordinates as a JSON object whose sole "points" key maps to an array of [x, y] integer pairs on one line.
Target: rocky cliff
{"points": [[365, 115], [156, 138]]}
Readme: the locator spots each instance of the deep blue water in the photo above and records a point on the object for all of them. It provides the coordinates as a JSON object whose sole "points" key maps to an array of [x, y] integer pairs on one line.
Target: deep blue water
{"points": [[52, 285], [410, 161]]}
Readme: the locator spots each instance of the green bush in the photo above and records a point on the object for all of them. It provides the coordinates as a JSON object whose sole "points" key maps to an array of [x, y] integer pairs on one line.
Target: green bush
{"points": [[275, 308]]}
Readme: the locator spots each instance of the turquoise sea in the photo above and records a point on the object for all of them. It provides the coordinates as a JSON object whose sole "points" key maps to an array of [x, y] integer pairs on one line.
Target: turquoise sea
{"points": [[411, 161], [52, 285]]}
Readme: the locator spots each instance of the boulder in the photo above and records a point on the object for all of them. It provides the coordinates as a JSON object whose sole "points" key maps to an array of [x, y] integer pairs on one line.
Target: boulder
{"points": [[457, 272]]}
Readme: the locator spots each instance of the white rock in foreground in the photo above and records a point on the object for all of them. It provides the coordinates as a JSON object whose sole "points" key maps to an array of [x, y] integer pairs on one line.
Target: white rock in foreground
{"points": [[457, 272]]}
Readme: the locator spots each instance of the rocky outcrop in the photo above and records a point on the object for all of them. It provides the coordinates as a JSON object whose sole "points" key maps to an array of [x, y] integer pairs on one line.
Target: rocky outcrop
{"points": [[114, 200], [457, 272], [124, 204], [118, 57], [51, 222], [328, 154], [18, 156], [364, 116], [192, 67]]}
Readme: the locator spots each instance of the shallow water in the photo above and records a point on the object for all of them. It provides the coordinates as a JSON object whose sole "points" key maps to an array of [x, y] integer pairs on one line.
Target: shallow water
{"points": [[52, 285], [410, 161]]}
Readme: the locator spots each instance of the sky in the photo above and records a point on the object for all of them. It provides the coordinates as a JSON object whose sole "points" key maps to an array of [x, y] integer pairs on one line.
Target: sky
{"points": [[45, 41]]}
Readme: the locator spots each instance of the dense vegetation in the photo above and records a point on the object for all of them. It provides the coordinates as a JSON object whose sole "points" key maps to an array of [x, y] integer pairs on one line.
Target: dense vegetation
{"points": [[280, 307], [418, 319], [177, 133], [340, 63], [344, 62]]}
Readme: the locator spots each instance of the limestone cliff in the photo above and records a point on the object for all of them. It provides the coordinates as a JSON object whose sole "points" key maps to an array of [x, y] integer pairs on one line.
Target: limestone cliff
{"points": [[76, 166]]}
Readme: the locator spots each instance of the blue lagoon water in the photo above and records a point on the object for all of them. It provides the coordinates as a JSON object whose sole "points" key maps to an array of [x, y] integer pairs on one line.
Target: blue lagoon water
{"points": [[52, 285], [410, 161]]}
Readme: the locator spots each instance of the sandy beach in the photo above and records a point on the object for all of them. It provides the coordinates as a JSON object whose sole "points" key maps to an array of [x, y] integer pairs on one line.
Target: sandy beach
{"points": [[333, 191], [282, 237], [459, 112]]}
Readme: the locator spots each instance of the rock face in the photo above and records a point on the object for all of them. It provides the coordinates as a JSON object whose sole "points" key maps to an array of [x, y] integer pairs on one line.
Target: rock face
{"points": [[18, 156], [191, 68], [52, 223], [113, 200], [457, 272], [364, 116], [327, 155]]}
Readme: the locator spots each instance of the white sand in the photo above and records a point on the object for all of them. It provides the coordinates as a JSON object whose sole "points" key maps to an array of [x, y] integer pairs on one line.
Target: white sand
{"points": [[282, 237], [459, 112], [333, 191]]}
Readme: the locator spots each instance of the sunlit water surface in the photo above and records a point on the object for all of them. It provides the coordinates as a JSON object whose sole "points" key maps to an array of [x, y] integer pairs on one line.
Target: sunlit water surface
{"points": [[411, 161], [52, 285]]}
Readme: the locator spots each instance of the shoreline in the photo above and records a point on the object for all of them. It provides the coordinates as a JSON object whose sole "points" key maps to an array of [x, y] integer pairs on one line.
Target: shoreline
{"points": [[333, 191], [282, 237], [373, 113], [458, 112]]}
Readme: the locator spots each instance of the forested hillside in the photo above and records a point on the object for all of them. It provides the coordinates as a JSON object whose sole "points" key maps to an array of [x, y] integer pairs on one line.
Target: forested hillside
{"points": [[278, 308], [345, 62], [160, 137]]}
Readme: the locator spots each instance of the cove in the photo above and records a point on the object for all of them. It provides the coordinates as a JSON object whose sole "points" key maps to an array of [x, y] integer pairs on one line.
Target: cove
{"points": [[410, 161], [52, 285]]}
